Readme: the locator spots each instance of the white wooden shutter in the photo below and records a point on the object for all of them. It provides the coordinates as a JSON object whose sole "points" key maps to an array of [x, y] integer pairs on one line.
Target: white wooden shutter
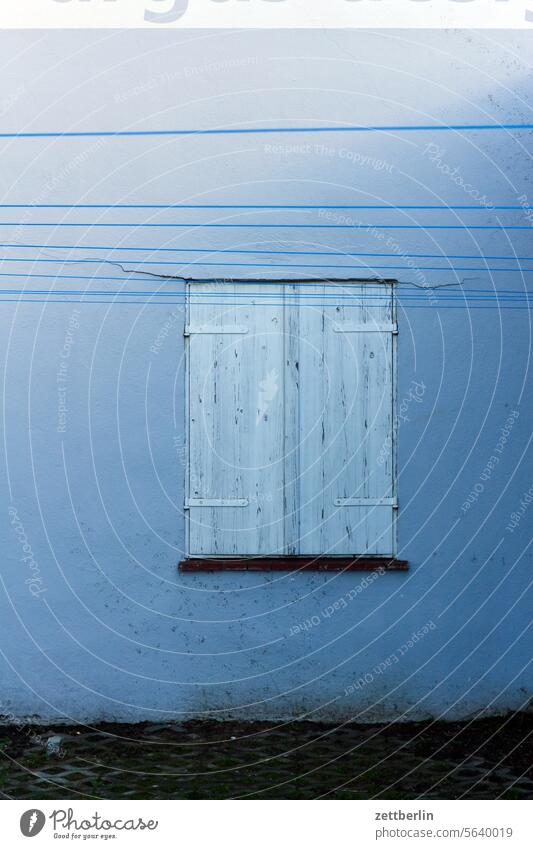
{"points": [[291, 420]]}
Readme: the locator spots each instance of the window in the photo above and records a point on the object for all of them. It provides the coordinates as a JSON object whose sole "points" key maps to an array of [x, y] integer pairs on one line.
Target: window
{"points": [[290, 419]]}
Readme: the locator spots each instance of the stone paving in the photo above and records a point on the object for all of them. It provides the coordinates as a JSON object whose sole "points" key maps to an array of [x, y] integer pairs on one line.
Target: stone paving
{"points": [[485, 759]]}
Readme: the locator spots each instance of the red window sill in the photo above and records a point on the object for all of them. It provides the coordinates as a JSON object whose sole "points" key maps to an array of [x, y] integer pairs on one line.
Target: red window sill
{"points": [[293, 564]]}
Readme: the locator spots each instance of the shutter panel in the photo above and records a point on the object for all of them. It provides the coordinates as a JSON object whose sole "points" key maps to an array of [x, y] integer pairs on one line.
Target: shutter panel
{"points": [[346, 497], [235, 366]]}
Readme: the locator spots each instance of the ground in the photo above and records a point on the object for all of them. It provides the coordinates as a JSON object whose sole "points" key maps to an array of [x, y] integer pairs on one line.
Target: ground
{"points": [[480, 759]]}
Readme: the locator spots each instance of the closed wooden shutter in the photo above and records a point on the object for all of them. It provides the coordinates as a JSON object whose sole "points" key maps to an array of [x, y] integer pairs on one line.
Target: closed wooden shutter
{"points": [[345, 493], [236, 455], [291, 419]]}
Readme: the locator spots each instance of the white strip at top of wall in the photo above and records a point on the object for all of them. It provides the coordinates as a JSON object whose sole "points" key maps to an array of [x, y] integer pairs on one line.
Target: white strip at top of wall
{"points": [[309, 14]]}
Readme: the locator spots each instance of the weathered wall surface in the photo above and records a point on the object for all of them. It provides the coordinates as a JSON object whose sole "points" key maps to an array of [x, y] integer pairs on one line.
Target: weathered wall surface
{"points": [[94, 393]]}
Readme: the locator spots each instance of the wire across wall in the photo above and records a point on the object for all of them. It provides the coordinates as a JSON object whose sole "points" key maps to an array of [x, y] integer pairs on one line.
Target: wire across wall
{"points": [[138, 291]]}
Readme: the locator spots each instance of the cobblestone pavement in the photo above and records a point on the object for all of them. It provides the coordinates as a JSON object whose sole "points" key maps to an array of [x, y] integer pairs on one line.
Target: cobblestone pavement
{"points": [[484, 759]]}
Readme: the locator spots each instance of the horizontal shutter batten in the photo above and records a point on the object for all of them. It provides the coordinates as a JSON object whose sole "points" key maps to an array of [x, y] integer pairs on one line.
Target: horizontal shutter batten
{"points": [[351, 327], [365, 502], [235, 329]]}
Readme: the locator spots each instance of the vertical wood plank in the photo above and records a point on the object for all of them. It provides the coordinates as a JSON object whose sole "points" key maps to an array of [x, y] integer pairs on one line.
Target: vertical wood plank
{"points": [[291, 493]]}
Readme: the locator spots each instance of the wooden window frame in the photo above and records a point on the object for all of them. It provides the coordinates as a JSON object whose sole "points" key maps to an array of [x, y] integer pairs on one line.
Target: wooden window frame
{"points": [[298, 563]]}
